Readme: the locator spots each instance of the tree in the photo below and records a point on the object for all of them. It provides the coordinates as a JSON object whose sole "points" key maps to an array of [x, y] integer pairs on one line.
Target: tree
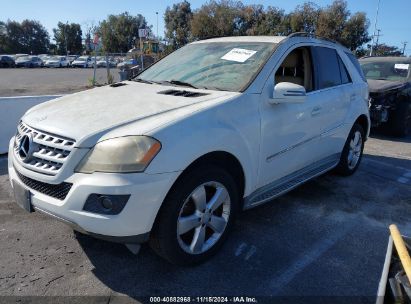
{"points": [[250, 19], [216, 19], [332, 20], [355, 32], [274, 22], [35, 38], [178, 23], [90, 29], [119, 32], [26, 37], [68, 38], [386, 50], [336, 23], [304, 18], [3, 37]]}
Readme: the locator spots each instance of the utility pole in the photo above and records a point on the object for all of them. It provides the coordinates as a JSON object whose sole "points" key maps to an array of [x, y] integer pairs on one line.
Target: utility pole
{"points": [[404, 44], [378, 40], [375, 27], [157, 25]]}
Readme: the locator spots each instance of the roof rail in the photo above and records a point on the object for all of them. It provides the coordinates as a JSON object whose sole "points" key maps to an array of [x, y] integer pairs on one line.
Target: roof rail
{"points": [[301, 34], [311, 35]]}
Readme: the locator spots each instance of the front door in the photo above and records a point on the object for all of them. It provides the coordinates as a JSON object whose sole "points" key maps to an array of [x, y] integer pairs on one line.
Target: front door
{"points": [[290, 132]]}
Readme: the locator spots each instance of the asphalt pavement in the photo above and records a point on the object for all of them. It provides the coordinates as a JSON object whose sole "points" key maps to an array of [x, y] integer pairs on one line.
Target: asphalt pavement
{"points": [[323, 242], [50, 81]]}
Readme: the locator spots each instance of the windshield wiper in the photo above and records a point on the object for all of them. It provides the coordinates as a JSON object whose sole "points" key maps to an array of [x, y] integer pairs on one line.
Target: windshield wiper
{"points": [[180, 83]]}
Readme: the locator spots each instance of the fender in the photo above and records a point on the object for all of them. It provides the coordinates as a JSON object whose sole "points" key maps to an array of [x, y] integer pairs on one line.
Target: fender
{"points": [[213, 130]]}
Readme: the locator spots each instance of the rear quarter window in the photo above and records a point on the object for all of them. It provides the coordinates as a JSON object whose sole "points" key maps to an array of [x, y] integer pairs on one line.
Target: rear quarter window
{"points": [[345, 76], [356, 64]]}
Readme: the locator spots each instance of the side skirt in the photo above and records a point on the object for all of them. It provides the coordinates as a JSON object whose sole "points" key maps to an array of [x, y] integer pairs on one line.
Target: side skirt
{"points": [[291, 181]]}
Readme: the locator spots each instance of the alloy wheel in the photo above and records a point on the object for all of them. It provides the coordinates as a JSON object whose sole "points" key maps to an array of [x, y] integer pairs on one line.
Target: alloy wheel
{"points": [[355, 150], [203, 217]]}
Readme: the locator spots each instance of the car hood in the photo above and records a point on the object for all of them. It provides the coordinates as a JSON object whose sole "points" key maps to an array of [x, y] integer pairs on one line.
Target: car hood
{"points": [[93, 113], [378, 86]]}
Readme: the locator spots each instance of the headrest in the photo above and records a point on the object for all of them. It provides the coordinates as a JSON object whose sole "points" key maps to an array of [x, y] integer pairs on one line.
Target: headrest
{"points": [[291, 61]]}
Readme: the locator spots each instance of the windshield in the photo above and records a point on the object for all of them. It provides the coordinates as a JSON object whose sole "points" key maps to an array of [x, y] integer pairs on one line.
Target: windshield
{"points": [[388, 70], [228, 66], [81, 59]]}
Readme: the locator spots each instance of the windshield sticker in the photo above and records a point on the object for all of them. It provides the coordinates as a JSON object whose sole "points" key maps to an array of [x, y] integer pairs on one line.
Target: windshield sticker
{"points": [[401, 66], [238, 55]]}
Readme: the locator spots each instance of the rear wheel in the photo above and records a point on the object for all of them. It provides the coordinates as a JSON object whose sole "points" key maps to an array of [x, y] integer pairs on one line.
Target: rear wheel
{"points": [[399, 122], [196, 216], [352, 152]]}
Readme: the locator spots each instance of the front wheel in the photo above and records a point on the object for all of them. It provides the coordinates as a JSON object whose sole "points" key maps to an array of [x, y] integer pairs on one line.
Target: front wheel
{"points": [[352, 152], [196, 216]]}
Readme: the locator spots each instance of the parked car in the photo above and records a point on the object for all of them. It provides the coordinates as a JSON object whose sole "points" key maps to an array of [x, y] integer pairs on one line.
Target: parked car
{"points": [[218, 126], [15, 56], [71, 58], [29, 62], [389, 80], [102, 62], [57, 62], [82, 62], [127, 63], [6, 61]]}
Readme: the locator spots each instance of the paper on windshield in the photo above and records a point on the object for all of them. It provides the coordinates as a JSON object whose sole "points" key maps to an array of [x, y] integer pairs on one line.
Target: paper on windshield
{"points": [[238, 55], [401, 66]]}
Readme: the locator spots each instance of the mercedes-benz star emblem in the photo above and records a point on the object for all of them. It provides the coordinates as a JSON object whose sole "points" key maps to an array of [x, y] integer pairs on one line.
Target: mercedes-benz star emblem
{"points": [[26, 147]]}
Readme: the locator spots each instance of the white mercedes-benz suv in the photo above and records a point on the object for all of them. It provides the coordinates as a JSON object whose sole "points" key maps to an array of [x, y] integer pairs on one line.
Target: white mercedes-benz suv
{"points": [[173, 155]]}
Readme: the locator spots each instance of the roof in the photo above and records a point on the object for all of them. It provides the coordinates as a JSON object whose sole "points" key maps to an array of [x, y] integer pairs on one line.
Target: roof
{"points": [[266, 39], [387, 59]]}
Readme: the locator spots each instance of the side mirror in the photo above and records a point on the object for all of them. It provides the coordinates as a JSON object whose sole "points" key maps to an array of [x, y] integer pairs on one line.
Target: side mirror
{"points": [[287, 92]]}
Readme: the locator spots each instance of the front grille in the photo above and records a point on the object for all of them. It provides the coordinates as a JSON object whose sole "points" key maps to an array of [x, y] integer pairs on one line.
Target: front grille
{"points": [[58, 191], [50, 151]]}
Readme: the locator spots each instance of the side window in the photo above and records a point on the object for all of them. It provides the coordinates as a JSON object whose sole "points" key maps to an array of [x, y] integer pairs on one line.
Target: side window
{"points": [[328, 68], [297, 68], [356, 64], [345, 77]]}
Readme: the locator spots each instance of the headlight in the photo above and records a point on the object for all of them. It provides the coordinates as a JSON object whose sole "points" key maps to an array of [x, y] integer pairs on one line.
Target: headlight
{"points": [[120, 155]]}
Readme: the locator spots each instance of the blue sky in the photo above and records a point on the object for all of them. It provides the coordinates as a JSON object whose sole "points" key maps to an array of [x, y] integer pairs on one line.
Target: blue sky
{"points": [[394, 17]]}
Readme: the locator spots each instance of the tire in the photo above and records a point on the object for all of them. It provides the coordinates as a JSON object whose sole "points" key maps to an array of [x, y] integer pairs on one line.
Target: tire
{"points": [[352, 152], [399, 123], [183, 220]]}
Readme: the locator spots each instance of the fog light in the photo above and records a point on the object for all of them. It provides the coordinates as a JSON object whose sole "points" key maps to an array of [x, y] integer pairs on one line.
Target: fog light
{"points": [[105, 204]]}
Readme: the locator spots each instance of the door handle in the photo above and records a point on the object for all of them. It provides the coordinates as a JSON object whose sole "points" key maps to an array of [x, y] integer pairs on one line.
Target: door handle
{"points": [[352, 97], [316, 111]]}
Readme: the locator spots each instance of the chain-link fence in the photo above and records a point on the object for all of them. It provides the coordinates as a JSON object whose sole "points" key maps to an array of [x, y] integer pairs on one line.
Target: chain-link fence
{"points": [[119, 66]]}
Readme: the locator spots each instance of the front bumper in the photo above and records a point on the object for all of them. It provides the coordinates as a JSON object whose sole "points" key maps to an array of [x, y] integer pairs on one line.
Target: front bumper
{"points": [[52, 65], [78, 65], [22, 64], [132, 225]]}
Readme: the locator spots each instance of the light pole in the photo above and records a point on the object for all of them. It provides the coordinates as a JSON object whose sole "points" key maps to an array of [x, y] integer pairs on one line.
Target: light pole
{"points": [[375, 27], [157, 25]]}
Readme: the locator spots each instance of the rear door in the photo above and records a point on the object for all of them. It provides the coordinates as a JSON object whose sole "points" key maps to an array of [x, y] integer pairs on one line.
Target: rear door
{"points": [[334, 88]]}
